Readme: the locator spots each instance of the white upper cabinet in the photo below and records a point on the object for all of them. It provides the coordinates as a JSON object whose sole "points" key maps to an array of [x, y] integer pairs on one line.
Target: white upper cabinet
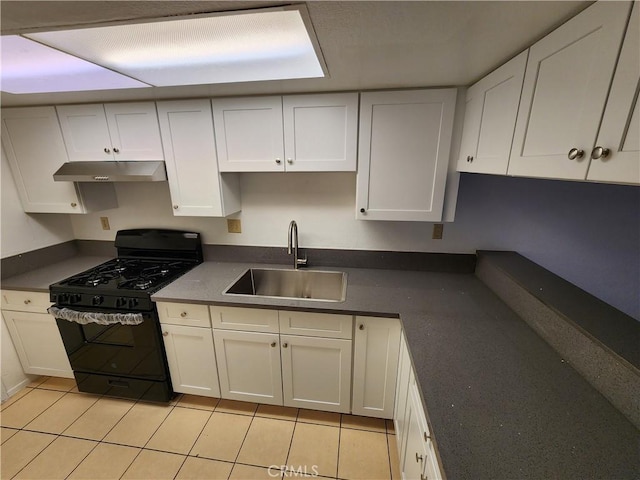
{"points": [[302, 133], [403, 158], [34, 147], [564, 93], [620, 129], [320, 132], [118, 131], [249, 134], [196, 186], [490, 118]]}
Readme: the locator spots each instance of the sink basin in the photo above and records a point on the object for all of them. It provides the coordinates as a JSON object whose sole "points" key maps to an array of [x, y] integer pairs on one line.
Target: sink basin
{"points": [[318, 285]]}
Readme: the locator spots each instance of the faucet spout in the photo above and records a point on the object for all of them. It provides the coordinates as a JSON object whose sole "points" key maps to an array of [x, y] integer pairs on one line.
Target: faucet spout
{"points": [[292, 245]]}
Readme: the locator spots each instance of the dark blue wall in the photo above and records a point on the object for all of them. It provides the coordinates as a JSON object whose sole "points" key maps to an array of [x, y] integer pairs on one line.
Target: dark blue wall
{"points": [[587, 233]]}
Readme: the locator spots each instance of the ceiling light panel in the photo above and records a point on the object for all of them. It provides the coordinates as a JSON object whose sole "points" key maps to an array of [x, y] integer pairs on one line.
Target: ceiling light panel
{"points": [[265, 45], [28, 67]]}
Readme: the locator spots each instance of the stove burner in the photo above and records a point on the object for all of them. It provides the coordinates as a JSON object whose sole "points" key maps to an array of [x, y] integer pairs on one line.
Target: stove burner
{"points": [[142, 283]]}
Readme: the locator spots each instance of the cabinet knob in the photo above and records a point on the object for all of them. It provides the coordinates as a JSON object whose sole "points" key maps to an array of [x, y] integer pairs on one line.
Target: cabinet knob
{"points": [[273, 344], [600, 152], [107, 150], [175, 207], [575, 153], [419, 458], [362, 210], [361, 327], [165, 334], [116, 150], [289, 161], [470, 159], [423, 477], [278, 161], [27, 301], [285, 345], [183, 314], [74, 204]]}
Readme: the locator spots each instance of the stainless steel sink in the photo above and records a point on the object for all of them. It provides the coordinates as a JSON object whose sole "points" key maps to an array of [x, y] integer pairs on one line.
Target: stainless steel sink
{"points": [[318, 285]]}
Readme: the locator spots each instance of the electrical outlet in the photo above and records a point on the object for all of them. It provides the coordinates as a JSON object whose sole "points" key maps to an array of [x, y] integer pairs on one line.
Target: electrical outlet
{"points": [[438, 229], [234, 225], [105, 223]]}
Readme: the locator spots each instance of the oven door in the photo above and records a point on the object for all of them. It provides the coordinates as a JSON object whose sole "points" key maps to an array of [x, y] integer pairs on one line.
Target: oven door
{"points": [[134, 351]]}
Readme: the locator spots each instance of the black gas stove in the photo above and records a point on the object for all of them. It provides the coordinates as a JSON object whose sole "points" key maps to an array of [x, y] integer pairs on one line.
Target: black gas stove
{"points": [[108, 323]]}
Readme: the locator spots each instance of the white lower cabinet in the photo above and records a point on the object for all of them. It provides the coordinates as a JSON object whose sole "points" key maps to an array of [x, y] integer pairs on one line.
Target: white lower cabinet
{"points": [[316, 373], [249, 366], [375, 366], [188, 341], [35, 334], [418, 459], [192, 360]]}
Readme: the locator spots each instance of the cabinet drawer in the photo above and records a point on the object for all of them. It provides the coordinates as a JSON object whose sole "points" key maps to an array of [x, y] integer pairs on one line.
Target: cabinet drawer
{"points": [[187, 314], [247, 319], [316, 324], [23, 301]]}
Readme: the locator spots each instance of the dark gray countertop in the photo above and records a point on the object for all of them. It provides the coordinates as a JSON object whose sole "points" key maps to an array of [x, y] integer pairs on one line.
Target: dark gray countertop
{"points": [[500, 400], [38, 280], [502, 404]]}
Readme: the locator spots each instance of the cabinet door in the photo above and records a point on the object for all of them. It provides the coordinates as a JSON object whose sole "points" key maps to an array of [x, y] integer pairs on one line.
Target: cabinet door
{"points": [[32, 140], [565, 88], [320, 132], [249, 135], [249, 366], [316, 373], [620, 129], [191, 358], [38, 343], [404, 144], [192, 168], [490, 118], [85, 131], [402, 391], [134, 131], [375, 366], [415, 456]]}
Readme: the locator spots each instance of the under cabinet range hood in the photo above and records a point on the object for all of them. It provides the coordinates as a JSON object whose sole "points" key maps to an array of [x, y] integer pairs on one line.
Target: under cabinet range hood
{"points": [[111, 172]]}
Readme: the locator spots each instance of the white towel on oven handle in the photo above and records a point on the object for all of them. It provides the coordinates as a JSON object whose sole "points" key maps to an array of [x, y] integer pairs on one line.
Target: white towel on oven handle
{"points": [[96, 317]]}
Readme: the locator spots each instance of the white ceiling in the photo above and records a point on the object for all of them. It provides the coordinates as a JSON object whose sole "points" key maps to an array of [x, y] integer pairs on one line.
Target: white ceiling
{"points": [[366, 45]]}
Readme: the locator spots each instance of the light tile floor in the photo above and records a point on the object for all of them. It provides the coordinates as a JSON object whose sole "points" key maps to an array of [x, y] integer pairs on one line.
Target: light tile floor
{"points": [[51, 431]]}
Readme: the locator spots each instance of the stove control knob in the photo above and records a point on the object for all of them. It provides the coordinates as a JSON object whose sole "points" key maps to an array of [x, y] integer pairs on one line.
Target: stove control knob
{"points": [[121, 302], [133, 302], [97, 300], [75, 298]]}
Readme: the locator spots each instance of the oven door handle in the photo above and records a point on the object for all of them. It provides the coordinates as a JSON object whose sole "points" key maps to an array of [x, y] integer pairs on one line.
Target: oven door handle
{"points": [[100, 318]]}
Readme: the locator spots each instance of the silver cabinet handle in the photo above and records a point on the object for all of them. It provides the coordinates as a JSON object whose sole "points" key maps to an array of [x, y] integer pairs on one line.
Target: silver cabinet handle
{"points": [[289, 161], [575, 153], [600, 152], [106, 150], [278, 161], [165, 334], [423, 477], [27, 301], [361, 327], [116, 150], [175, 207], [183, 314], [285, 345], [419, 458], [469, 159], [362, 210], [273, 344], [74, 204]]}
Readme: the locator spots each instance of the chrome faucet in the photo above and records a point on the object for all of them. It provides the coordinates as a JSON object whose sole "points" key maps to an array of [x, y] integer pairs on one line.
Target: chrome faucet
{"points": [[292, 247]]}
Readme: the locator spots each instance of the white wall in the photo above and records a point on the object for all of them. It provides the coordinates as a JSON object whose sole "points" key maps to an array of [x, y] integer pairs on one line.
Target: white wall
{"points": [[323, 204], [21, 232]]}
